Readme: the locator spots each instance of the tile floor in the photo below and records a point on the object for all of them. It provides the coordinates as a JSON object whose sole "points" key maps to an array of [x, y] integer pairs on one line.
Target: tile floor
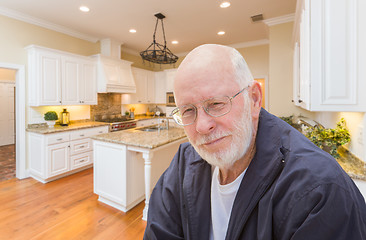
{"points": [[7, 162]]}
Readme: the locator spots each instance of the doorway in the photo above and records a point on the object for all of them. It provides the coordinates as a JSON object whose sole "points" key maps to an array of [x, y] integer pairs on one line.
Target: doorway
{"points": [[19, 116], [7, 124]]}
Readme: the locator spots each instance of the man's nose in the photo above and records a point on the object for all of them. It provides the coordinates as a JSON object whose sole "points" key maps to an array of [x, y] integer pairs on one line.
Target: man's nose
{"points": [[204, 122]]}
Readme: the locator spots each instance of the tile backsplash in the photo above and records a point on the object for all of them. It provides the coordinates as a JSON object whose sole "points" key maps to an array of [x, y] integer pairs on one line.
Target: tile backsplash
{"points": [[108, 104]]}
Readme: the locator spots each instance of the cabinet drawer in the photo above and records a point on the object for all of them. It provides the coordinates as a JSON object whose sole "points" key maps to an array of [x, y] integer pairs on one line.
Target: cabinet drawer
{"points": [[80, 146], [58, 138], [81, 160]]}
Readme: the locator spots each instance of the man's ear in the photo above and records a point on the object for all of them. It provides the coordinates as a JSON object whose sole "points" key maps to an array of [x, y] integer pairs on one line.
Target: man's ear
{"points": [[256, 97]]}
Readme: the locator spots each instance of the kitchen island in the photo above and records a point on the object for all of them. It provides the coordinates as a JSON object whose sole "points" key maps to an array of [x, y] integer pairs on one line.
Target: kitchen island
{"points": [[127, 164]]}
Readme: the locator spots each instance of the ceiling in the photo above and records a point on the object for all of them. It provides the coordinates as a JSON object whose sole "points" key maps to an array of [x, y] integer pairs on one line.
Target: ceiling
{"points": [[190, 22]]}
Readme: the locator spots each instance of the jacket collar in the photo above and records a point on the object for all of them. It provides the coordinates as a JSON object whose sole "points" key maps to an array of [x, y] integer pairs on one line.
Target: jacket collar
{"points": [[262, 171]]}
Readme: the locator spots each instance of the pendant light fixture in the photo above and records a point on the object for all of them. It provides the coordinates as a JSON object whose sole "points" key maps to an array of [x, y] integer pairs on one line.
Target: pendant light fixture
{"points": [[156, 52]]}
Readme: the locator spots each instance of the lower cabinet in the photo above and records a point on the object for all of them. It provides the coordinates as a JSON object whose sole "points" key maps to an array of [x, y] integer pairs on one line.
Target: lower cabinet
{"points": [[55, 155]]}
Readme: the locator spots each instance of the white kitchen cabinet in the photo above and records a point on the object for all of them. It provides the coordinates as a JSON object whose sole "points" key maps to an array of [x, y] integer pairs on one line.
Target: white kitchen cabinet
{"points": [[60, 78], [44, 76], [58, 157], [160, 88], [55, 155], [145, 86], [169, 78], [330, 55]]}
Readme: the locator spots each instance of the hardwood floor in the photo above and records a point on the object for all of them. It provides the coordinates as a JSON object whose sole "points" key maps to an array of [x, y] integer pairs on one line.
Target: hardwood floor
{"points": [[63, 209]]}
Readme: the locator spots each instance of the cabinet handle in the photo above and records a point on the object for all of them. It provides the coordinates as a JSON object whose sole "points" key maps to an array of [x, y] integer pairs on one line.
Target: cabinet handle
{"points": [[59, 139], [82, 146], [100, 131], [300, 101], [60, 101], [82, 160], [81, 135]]}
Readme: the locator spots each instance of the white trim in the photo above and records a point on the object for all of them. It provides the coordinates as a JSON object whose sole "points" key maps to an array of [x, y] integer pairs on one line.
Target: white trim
{"points": [[20, 142], [279, 20], [43, 23]]}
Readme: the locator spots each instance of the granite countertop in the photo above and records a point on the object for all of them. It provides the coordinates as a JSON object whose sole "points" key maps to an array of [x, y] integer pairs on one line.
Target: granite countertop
{"points": [[135, 137], [354, 167], [74, 125]]}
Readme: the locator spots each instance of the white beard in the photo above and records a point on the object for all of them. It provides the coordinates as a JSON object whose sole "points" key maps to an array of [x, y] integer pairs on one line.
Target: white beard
{"points": [[241, 139]]}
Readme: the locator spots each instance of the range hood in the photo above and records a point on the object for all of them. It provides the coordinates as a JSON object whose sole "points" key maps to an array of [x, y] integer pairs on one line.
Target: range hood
{"points": [[114, 74]]}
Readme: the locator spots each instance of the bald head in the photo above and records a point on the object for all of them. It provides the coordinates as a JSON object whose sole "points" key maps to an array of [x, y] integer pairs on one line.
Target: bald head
{"points": [[210, 58]]}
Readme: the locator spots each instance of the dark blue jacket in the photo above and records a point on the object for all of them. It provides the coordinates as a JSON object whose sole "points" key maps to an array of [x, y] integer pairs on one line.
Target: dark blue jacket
{"points": [[291, 190]]}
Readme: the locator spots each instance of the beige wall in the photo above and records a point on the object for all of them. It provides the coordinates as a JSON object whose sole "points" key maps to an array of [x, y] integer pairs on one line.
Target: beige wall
{"points": [[257, 58], [7, 74], [15, 35], [280, 89]]}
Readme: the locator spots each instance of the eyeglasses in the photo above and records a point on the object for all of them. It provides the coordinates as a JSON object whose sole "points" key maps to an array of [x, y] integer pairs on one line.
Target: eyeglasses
{"points": [[215, 107]]}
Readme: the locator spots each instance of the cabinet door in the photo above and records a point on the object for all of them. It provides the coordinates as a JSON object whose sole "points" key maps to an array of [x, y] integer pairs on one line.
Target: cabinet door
{"points": [[71, 78], [81, 160], [170, 75], [150, 87], [160, 88], [58, 159], [49, 77], [88, 83], [140, 77]]}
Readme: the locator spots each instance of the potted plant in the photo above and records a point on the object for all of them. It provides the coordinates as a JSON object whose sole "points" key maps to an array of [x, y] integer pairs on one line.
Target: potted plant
{"points": [[51, 118]]}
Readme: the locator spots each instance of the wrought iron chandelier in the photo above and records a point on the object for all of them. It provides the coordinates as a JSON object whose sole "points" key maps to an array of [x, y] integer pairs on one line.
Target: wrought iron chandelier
{"points": [[156, 52]]}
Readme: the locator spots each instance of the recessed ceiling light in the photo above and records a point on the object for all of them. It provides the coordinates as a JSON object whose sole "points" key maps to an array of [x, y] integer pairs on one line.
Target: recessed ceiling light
{"points": [[221, 33], [132, 30], [175, 42], [225, 4], [84, 9]]}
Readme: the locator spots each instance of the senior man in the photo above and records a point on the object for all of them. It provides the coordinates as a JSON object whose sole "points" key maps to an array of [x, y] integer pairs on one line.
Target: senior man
{"points": [[246, 174]]}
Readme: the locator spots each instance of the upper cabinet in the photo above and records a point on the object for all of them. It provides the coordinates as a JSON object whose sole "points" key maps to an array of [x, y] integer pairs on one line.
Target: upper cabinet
{"points": [[169, 78], [145, 86], [60, 78], [330, 55], [114, 75], [151, 87]]}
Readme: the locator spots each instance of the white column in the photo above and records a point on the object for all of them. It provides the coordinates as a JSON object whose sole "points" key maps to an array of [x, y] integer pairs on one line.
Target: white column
{"points": [[147, 157]]}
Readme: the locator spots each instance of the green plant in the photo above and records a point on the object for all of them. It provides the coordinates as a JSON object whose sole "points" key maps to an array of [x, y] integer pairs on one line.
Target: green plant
{"points": [[329, 139], [50, 116], [127, 113]]}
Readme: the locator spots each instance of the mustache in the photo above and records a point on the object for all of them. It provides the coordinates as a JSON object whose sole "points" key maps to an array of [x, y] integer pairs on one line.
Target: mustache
{"points": [[209, 138]]}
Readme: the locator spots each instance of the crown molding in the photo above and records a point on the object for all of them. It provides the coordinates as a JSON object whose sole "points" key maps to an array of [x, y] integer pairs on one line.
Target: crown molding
{"points": [[42, 23], [279, 20]]}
